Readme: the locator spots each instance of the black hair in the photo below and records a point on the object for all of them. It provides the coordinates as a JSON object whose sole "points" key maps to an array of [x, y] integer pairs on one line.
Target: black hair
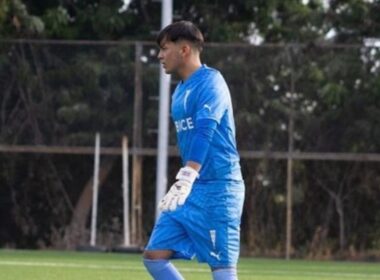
{"points": [[181, 30]]}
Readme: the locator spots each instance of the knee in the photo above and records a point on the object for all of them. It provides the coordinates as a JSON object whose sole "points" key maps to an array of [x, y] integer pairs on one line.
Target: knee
{"points": [[157, 254], [151, 255], [147, 255]]}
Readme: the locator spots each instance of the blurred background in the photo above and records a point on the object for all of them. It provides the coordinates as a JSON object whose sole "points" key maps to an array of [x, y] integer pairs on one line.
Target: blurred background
{"points": [[305, 82]]}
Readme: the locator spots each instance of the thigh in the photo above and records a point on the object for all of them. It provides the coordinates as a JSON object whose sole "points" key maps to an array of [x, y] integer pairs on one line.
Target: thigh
{"points": [[214, 225], [170, 235]]}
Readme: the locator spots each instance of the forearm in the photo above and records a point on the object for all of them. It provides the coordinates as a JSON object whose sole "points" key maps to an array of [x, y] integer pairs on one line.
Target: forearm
{"points": [[200, 144], [194, 165]]}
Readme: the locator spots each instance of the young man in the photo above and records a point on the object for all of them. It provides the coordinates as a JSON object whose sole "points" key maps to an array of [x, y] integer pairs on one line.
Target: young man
{"points": [[201, 212]]}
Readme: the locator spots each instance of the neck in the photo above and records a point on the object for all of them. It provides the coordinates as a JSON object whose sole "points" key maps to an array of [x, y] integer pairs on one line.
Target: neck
{"points": [[189, 69]]}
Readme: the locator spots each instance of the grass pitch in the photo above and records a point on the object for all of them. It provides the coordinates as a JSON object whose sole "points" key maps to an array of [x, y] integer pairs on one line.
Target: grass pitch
{"points": [[55, 265]]}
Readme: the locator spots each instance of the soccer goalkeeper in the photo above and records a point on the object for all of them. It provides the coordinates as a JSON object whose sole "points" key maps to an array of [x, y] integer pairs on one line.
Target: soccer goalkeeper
{"points": [[202, 210]]}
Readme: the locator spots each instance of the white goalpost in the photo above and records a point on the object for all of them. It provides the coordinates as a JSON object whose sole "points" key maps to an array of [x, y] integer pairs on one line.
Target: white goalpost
{"points": [[126, 245], [125, 186], [92, 247], [95, 188]]}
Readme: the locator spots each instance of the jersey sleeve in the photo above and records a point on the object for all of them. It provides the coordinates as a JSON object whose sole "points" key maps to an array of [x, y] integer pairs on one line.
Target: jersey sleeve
{"points": [[201, 140], [212, 102]]}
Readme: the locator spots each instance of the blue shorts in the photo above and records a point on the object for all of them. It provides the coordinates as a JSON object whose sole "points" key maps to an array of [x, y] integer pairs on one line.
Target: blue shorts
{"points": [[207, 226]]}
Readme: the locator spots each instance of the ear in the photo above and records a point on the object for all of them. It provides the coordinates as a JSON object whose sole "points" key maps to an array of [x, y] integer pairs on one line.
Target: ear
{"points": [[185, 49]]}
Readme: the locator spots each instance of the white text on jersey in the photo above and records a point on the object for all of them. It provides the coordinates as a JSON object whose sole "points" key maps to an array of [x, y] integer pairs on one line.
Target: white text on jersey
{"points": [[184, 124]]}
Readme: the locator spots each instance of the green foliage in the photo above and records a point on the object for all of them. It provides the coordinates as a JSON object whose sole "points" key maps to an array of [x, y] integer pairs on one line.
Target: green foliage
{"points": [[15, 20], [57, 21]]}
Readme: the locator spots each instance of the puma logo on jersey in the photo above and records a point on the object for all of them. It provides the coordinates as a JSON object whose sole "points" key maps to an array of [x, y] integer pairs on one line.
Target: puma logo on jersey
{"points": [[208, 107], [215, 255], [213, 241], [184, 124]]}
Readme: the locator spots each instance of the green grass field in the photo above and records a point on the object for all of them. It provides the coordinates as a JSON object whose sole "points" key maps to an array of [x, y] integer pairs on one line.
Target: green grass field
{"points": [[54, 265]]}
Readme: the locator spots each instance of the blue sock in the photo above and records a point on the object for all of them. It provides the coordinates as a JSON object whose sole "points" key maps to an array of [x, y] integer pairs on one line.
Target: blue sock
{"points": [[162, 270], [225, 274]]}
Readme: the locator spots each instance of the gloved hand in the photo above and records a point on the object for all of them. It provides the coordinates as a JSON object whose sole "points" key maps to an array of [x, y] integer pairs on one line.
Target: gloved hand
{"points": [[180, 190]]}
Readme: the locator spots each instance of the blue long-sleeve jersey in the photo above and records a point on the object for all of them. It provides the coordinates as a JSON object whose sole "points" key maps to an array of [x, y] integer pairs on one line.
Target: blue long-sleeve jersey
{"points": [[205, 98]]}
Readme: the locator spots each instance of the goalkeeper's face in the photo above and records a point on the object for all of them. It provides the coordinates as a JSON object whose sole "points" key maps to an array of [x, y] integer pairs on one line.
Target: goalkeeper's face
{"points": [[171, 56]]}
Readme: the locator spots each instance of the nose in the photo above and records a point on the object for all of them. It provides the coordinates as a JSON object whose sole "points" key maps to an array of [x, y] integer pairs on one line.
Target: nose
{"points": [[159, 56]]}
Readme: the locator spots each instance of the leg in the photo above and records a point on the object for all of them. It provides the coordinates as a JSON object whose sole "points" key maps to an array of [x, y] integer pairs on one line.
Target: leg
{"points": [[158, 265], [157, 254], [168, 240], [226, 273]]}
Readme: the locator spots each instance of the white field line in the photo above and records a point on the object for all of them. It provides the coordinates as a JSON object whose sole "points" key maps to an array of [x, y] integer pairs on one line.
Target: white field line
{"points": [[86, 266], [200, 270]]}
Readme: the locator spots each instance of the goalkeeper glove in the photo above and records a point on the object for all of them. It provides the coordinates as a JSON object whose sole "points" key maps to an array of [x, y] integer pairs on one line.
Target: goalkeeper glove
{"points": [[180, 190]]}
